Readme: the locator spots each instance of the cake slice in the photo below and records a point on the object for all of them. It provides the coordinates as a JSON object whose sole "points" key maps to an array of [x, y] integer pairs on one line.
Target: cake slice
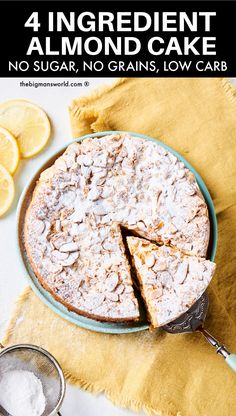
{"points": [[170, 281]]}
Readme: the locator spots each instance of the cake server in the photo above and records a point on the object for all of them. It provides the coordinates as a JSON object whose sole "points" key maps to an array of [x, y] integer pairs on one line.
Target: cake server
{"points": [[193, 320]]}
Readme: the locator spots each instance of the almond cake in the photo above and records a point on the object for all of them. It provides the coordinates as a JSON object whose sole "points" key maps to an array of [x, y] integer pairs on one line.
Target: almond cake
{"points": [[72, 229]]}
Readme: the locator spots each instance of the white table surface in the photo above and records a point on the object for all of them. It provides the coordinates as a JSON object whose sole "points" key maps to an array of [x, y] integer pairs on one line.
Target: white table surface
{"points": [[54, 101]]}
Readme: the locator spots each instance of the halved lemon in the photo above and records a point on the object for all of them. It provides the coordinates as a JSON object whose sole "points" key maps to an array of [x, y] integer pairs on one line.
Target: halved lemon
{"points": [[9, 151], [7, 190], [28, 123]]}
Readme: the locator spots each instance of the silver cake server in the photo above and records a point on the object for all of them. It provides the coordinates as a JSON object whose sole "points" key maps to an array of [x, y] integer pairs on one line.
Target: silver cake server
{"points": [[193, 320]]}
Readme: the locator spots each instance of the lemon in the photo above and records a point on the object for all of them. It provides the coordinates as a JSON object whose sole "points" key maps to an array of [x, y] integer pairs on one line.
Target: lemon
{"points": [[28, 123], [9, 151], [7, 190]]}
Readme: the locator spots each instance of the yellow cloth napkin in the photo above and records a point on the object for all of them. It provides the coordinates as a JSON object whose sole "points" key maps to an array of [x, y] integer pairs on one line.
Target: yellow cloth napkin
{"points": [[169, 375]]}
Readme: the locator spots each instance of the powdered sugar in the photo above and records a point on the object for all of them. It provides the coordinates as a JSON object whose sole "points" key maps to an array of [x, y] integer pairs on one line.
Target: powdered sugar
{"points": [[21, 393]]}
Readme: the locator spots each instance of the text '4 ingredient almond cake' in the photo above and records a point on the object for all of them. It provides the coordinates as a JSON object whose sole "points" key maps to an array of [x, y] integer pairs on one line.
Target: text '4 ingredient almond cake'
{"points": [[73, 237]]}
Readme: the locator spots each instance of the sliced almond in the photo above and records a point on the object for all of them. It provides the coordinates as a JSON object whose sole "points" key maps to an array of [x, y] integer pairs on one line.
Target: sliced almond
{"points": [[39, 226], [189, 189], [165, 278], [181, 273], [112, 296], [86, 171], [59, 256], [173, 158], [160, 266], [120, 289], [94, 300], [112, 281], [100, 209], [70, 260], [68, 198], [127, 305], [109, 246], [74, 229], [69, 247], [58, 225], [54, 268], [78, 214], [181, 173], [101, 160], [128, 289], [172, 229], [156, 293], [87, 160], [61, 164], [150, 260], [150, 277], [59, 239], [94, 194], [141, 225]]}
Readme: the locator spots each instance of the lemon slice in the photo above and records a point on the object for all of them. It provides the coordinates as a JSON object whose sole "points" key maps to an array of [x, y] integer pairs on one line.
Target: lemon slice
{"points": [[9, 151], [7, 190], [28, 123]]}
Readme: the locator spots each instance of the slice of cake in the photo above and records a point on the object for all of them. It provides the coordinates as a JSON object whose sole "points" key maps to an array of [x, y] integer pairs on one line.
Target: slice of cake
{"points": [[170, 281]]}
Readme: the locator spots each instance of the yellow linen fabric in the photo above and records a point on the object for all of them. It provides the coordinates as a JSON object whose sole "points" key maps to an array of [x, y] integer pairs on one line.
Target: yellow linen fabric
{"points": [[169, 375]]}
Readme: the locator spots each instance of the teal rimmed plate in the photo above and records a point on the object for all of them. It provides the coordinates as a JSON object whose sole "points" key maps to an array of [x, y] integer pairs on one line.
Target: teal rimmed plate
{"points": [[111, 328]]}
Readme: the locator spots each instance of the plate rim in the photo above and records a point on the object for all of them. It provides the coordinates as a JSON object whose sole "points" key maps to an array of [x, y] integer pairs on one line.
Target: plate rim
{"points": [[46, 297]]}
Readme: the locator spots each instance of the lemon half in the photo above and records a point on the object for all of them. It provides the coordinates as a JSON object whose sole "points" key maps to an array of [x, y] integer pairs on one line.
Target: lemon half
{"points": [[28, 123], [7, 190]]}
